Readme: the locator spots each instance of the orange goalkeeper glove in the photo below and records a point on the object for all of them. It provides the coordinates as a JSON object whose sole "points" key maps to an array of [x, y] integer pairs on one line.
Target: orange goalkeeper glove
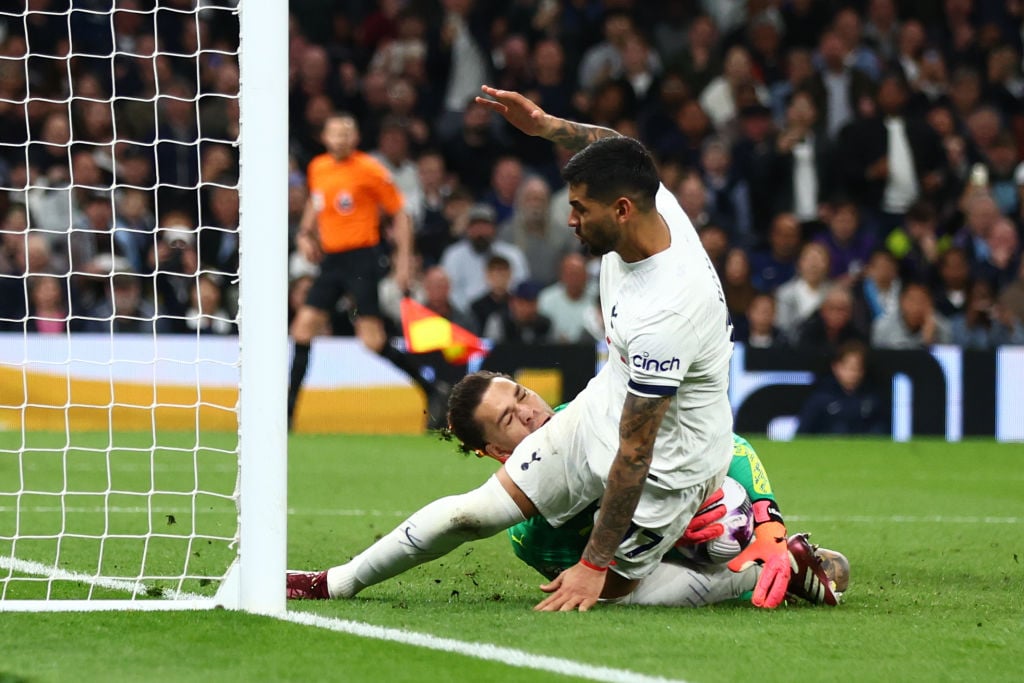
{"points": [[705, 525], [769, 549]]}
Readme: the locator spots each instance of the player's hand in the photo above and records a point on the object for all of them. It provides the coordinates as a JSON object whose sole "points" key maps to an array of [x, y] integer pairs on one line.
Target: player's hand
{"points": [[309, 247], [578, 587], [703, 527], [769, 549], [517, 110]]}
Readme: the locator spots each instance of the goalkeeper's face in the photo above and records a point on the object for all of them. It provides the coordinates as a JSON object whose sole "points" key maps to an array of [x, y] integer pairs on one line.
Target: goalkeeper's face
{"points": [[507, 413]]}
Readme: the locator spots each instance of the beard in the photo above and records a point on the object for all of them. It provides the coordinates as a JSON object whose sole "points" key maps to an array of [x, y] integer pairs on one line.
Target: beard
{"points": [[600, 239], [480, 244]]}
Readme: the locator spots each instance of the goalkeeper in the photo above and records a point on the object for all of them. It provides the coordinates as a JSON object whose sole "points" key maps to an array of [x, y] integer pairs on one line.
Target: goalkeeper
{"points": [[550, 550], [508, 414]]}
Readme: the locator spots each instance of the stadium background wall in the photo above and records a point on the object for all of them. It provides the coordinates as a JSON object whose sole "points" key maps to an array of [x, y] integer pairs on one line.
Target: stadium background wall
{"points": [[945, 391]]}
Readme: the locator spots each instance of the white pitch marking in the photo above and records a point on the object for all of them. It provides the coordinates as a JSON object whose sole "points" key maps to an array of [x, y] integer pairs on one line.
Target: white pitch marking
{"points": [[486, 651], [54, 573]]}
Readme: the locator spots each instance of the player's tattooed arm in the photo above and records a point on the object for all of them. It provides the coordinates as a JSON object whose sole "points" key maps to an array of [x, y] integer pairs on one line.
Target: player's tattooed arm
{"points": [[575, 136], [527, 116], [641, 417]]}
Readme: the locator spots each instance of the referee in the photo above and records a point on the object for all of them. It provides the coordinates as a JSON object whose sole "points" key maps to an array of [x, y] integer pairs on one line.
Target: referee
{"points": [[340, 230]]}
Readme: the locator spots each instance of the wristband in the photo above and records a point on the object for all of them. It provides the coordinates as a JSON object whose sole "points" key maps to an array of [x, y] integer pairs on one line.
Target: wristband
{"points": [[590, 565], [765, 510]]}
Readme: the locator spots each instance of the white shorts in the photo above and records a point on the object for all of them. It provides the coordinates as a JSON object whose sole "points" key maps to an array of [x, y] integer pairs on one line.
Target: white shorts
{"points": [[551, 468]]}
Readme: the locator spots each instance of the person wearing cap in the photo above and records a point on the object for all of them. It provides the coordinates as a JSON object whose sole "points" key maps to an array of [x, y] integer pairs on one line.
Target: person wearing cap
{"points": [[521, 322], [340, 230], [466, 260]]}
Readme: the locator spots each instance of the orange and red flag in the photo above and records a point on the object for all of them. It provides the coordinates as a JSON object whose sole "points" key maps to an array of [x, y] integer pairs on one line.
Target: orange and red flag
{"points": [[426, 331]]}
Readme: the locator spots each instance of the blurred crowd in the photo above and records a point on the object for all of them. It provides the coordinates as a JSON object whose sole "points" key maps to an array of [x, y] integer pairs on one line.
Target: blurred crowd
{"points": [[853, 168]]}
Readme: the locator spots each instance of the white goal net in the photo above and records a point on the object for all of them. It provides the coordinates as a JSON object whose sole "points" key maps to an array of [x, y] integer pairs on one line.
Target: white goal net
{"points": [[142, 329]]}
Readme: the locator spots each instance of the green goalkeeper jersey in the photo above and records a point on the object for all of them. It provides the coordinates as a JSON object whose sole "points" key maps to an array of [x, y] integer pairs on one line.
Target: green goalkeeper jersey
{"points": [[550, 550]]}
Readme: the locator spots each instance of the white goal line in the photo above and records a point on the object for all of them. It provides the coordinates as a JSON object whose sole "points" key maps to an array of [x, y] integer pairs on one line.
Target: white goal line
{"points": [[485, 651]]}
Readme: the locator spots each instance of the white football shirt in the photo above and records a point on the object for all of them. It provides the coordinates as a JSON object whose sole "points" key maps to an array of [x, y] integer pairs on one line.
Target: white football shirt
{"points": [[668, 334]]}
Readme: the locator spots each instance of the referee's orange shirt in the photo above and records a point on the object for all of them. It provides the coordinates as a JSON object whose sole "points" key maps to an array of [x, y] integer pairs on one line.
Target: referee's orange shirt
{"points": [[348, 196]]}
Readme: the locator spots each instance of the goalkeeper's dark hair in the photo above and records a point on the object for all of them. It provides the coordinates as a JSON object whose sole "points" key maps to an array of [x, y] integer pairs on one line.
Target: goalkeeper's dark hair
{"points": [[615, 167], [462, 404]]}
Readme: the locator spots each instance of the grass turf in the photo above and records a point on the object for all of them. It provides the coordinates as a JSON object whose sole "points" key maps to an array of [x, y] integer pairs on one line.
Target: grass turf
{"points": [[933, 531]]}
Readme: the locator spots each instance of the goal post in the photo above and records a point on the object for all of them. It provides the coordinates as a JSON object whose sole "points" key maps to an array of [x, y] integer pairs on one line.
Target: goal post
{"points": [[263, 269], [143, 446]]}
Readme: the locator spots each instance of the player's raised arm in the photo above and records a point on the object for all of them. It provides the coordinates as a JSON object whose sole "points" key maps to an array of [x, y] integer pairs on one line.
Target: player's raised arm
{"points": [[528, 117]]}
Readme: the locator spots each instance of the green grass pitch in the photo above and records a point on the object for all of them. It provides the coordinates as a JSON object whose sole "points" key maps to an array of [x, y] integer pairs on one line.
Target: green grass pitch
{"points": [[934, 533]]}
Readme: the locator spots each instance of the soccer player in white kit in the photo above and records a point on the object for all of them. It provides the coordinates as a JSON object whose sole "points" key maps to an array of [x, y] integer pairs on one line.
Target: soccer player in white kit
{"points": [[651, 435]]}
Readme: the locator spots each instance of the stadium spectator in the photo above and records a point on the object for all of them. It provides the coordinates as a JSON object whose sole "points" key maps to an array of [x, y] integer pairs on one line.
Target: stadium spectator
{"points": [[47, 305], [917, 243], [498, 275], [796, 173], [914, 325], [798, 298], [394, 154], [716, 244], [877, 292], [472, 152], [123, 308], [980, 213], [839, 85], [985, 324], [849, 247], [890, 160], [206, 313], [530, 229], [776, 264], [466, 260], [954, 275], [459, 57], [437, 297], [501, 195], [693, 197], [521, 322], [719, 98], [698, 60], [685, 140], [998, 266], [832, 325], [727, 192], [757, 327], [174, 261], [433, 233], [842, 402], [568, 302], [736, 285]]}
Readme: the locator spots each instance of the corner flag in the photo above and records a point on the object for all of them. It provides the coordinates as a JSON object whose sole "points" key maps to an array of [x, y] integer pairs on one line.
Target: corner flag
{"points": [[426, 331]]}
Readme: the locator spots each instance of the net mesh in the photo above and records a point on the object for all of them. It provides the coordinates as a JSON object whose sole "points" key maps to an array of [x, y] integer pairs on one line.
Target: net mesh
{"points": [[119, 358]]}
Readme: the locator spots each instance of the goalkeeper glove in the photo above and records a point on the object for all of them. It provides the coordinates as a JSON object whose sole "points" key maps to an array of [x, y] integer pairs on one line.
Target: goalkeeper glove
{"points": [[703, 526], [769, 549]]}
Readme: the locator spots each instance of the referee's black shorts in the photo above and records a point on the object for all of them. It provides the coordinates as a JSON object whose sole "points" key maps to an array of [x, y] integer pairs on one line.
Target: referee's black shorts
{"points": [[355, 273]]}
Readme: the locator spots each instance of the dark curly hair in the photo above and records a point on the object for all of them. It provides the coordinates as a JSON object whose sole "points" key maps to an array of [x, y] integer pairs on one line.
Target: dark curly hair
{"points": [[462, 404]]}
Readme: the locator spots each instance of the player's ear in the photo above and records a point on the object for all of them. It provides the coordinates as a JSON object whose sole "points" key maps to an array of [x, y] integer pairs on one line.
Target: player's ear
{"points": [[496, 452], [623, 208]]}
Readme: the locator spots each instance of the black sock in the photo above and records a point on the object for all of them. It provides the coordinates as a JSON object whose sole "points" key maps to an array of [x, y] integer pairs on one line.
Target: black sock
{"points": [[300, 362], [405, 364]]}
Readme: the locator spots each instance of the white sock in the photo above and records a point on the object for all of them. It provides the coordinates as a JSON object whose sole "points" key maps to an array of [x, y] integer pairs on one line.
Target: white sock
{"points": [[431, 532], [678, 585]]}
